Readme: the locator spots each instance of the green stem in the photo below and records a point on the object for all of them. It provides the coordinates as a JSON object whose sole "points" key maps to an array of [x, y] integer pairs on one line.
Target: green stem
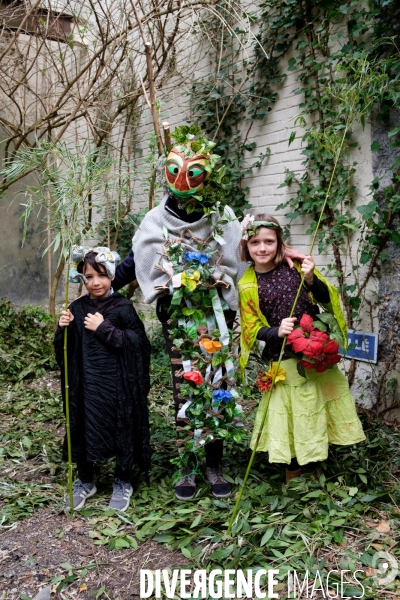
{"points": [[67, 418], [235, 510]]}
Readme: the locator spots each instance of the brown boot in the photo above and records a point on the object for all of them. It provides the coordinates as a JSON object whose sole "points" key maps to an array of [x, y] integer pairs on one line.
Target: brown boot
{"points": [[293, 474]]}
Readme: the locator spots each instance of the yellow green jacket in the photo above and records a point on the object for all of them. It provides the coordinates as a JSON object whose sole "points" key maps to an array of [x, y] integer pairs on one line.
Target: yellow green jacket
{"points": [[252, 319]]}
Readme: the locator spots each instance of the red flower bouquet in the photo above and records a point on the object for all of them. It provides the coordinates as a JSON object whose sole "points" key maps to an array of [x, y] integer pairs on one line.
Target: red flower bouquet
{"points": [[320, 352]]}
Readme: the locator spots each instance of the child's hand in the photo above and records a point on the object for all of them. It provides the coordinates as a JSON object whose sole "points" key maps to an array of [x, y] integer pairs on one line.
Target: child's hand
{"points": [[307, 267], [66, 318], [292, 253], [93, 321], [286, 326]]}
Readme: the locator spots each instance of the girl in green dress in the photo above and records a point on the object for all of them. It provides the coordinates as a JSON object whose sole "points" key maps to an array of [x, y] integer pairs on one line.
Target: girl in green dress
{"points": [[305, 413]]}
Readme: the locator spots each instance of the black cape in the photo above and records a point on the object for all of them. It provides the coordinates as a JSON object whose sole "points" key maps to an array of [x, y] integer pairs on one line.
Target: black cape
{"points": [[109, 380]]}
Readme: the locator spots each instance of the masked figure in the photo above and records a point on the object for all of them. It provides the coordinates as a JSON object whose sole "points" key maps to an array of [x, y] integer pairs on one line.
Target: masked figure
{"points": [[194, 231]]}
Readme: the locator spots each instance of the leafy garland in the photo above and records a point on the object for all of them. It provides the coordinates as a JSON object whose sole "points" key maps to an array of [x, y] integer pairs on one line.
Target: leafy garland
{"points": [[210, 407], [214, 195]]}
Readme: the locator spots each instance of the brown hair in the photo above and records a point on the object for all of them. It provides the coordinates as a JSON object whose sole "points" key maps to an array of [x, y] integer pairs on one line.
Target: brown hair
{"points": [[244, 254]]}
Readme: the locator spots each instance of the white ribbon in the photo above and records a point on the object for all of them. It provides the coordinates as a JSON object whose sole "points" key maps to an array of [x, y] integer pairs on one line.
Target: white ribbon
{"points": [[220, 317], [218, 375], [187, 365], [182, 411], [230, 367]]}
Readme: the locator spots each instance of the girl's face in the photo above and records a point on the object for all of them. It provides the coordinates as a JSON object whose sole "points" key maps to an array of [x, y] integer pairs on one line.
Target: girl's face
{"points": [[98, 284], [262, 249]]}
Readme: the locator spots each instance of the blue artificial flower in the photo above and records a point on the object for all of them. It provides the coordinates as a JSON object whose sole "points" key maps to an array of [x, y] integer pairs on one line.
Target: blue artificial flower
{"points": [[201, 258], [222, 395]]}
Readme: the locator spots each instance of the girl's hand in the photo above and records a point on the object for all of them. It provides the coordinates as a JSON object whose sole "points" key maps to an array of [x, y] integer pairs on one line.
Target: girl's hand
{"points": [[93, 321], [286, 326], [307, 267], [66, 318], [292, 253]]}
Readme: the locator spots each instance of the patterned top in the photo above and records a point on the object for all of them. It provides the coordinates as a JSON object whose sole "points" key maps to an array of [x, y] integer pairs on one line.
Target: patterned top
{"points": [[277, 290]]}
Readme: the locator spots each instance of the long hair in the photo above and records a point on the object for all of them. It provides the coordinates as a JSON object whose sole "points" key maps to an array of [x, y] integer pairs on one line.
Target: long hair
{"points": [[244, 254]]}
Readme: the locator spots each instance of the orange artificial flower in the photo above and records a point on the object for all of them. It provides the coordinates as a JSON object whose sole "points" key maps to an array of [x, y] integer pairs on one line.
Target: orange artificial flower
{"points": [[211, 345]]}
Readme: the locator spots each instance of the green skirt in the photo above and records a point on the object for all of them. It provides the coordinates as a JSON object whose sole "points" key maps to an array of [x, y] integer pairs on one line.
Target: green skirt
{"points": [[305, 415]]}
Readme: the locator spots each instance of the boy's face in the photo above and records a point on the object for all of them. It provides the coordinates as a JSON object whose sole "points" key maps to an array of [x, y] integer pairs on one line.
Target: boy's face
{"points": [[98, 284]]}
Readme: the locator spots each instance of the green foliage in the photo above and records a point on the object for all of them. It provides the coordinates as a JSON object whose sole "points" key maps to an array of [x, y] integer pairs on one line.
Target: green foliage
{"points": [[346, 57], [309, 524], [64, 198], [188, 141], [26, 342], [338, 88]]}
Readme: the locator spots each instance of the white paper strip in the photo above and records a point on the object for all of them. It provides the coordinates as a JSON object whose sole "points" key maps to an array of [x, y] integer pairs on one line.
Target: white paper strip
{"points": [[187, 365], [182, 411], [218, 375], [219, 315], [211, 325], [230, 367]]}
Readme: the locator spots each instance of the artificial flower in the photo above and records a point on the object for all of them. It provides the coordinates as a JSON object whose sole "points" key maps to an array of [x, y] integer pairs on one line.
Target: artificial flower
{"points": [[211, 345], [280, 376], [201, 258], [328, 356], [194, 376], [264, 380], [222, 395], [190, 281], [247, 219], [307, 339]]}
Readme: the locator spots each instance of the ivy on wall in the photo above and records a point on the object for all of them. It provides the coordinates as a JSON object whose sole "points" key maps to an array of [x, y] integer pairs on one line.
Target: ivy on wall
{"points": [[328, 41]]}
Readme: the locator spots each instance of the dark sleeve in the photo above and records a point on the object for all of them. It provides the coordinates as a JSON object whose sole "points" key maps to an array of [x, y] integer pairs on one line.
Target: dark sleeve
{"points": [[110, 335], [125, 272], [268, 334], [137, 345], [320, 291]]}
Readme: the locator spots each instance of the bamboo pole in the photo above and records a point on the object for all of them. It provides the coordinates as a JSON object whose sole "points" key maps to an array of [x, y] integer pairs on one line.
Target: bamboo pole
{"points": [[66, 387], [236, 508]]}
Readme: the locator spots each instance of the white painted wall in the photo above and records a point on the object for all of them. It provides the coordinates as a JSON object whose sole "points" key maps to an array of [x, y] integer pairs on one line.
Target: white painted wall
{"points": [[265, 194]]}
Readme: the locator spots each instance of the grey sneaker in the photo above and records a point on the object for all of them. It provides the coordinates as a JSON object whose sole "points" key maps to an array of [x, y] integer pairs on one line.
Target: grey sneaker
{"points": [[219, 486], [185, 488], [122, 491], [80, 492]]}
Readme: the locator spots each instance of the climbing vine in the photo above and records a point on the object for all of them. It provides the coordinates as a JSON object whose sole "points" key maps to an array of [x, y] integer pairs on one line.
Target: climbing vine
{"points": [[326, 44]]}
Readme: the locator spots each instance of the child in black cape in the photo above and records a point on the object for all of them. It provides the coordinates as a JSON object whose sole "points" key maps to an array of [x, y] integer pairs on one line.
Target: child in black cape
{"points": [[108, 366]]}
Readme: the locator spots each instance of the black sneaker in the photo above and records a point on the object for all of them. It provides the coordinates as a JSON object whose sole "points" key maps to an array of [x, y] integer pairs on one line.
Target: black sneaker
{"points": [[219, 486], [185, 489], [80, 492], [122, 492]]}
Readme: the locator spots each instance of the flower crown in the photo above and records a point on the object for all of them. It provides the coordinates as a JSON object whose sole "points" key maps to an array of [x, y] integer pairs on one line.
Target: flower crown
{"points": [[251, 227]]}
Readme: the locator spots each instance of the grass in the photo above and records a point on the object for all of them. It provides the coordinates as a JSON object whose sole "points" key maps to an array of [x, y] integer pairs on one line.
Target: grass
{"points": [[339, 522]]}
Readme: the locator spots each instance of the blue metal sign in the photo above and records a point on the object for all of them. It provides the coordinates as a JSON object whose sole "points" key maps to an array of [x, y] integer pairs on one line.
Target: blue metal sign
{"points": [[362, 346]]}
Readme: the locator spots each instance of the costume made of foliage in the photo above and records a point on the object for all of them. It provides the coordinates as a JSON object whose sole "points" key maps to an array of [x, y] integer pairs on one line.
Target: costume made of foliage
{"points": [[108, 383], [305, 413], [193, 261]]}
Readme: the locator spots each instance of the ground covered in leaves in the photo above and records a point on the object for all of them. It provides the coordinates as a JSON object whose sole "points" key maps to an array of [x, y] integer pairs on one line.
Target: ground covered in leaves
{"points": [[342, 521]]}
